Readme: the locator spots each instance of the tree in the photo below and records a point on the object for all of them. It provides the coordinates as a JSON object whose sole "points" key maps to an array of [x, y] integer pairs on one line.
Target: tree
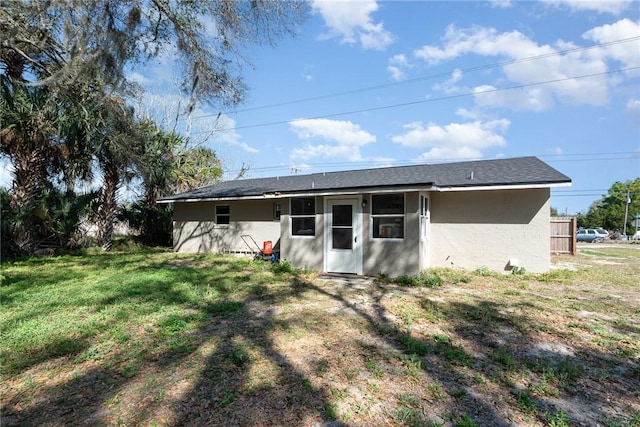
{"points": [[609, 211], [94, 43], [166, 165], [29, 118], [64, 66], [116, 146]]}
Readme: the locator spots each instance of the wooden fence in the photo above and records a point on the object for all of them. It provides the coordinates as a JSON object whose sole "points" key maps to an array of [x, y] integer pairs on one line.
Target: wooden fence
{"points": [[563, 235]]}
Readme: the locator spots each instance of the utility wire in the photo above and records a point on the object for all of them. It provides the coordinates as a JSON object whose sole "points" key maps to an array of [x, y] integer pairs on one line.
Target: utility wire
{"points": [[423, 78], [623, 155], [424, 101]]}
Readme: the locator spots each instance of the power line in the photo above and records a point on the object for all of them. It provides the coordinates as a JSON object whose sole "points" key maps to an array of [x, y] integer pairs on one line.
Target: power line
{"points": [[423, 78], [424, 101], [600, 156]]}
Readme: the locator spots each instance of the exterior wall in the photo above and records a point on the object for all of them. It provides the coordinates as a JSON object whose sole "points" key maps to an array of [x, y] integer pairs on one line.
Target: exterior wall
{"points": [[467, 229], [195, 230], [303, 252], [472, 229], [394, 257]]}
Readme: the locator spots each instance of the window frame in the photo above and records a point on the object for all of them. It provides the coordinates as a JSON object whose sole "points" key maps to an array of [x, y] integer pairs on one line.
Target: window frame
{"points": [[374, 216], [277, 211], [304, 215], [424, 214], [221, 215]]}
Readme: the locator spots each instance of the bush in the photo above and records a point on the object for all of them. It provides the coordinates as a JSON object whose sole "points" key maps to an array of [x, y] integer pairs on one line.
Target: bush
{"points": [[153, 223], [431, 280], [283, 266]]}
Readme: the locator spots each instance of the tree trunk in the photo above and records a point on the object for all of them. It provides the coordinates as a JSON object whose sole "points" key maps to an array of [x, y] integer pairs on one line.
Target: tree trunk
{"points": [[28, 185], [107, 209]]}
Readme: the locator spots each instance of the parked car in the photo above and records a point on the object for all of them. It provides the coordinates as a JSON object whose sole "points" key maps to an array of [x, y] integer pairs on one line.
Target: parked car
{"points": [[590, 235]]}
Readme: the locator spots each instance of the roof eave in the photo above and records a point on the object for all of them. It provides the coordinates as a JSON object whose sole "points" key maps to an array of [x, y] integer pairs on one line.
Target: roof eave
{"points": [[505, 186], [378, 189]]}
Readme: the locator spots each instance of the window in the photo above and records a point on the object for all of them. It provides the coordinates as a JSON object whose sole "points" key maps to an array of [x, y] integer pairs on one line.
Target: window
{"points": [[303, 216], [387, 214], [223, 214], [424, 216], [277, 211]]}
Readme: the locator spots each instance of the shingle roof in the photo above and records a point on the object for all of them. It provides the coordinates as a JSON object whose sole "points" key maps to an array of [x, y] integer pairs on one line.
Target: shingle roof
{"points": [[497, 172]]}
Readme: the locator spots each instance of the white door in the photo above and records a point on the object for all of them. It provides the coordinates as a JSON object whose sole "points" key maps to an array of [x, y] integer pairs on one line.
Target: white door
{"points": [[343, 237]]}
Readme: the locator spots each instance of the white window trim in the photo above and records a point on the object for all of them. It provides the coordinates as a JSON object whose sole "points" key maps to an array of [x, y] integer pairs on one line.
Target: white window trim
{"points": [[314, 216], [277, 207], [216, 215], [424, 215], [404, 219]]}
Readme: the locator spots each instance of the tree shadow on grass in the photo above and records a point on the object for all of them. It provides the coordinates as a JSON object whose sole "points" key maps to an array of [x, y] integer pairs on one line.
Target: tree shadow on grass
{"points": [[218, 362], [558, 382], [231, 337]]}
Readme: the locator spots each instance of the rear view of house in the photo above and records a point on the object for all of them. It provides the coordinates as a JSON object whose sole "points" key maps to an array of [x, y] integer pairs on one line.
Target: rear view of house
{"points": [[396, 220]]}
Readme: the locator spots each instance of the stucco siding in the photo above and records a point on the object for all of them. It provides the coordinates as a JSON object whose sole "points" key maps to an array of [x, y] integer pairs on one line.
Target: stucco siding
{"points": [[303, 251], [472, 229], [195, 230], [394, 257]]}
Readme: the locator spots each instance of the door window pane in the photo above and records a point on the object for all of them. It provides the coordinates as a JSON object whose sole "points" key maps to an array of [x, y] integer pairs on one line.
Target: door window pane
{"points": [[342, 238], [342, 215]]}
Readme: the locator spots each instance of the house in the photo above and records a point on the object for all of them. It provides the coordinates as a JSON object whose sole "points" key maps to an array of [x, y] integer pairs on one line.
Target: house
{"points": [[394, 220]]}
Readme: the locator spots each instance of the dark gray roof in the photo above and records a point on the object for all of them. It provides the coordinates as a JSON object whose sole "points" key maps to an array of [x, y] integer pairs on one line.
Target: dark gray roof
{"points": [[498, 172]]}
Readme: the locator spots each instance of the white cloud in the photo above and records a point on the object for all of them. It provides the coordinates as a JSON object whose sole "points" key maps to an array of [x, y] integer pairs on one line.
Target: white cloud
{"points": [[614, 7], [625, 53], [397, 65], [307, 73], [547, 66], [226, 133], [522, 99], [449, 86], [501, 4], [140, 79], [383, 162], [555, 151], [344, 139], [351, 22], [455, 140], [633, 110]]}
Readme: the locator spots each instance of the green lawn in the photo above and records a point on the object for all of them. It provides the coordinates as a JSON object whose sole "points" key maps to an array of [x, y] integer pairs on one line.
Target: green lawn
{"points": [[156, 338]]}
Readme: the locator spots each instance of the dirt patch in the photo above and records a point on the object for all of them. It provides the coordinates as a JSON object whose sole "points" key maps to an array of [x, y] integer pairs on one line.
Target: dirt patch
{"points": [[306, 350]]}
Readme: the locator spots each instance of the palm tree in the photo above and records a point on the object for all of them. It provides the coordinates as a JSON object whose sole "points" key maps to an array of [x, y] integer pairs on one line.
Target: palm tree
{"points": [[116, 148], [28, 137]]}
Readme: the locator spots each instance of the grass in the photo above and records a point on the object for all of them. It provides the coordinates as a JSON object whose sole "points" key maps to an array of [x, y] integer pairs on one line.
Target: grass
{"points": [[155, 338]]}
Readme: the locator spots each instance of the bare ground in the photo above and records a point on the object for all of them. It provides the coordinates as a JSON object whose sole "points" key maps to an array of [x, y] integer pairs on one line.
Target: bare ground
{"points": [[491, 351]]}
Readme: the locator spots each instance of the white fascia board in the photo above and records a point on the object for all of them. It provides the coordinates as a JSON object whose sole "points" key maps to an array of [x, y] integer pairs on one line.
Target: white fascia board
{"points": [[504, 187], [216, 199], [376, 190]]}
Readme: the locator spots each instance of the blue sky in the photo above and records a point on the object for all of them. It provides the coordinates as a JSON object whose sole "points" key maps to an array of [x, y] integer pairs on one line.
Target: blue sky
{"points": [[383, 83], [368, 84]]}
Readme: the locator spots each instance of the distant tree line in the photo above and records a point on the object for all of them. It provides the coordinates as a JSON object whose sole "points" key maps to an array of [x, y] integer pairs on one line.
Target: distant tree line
{"points": [[609, 212], [66, 117]]}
